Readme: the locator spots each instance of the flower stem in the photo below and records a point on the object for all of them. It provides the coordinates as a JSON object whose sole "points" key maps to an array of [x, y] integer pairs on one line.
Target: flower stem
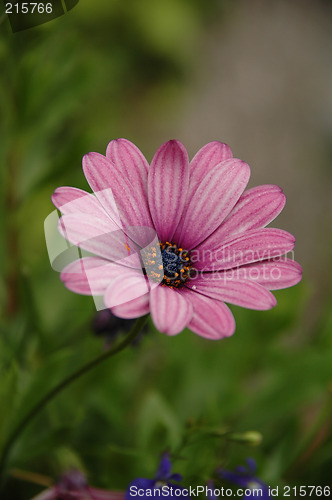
{"points": [[140, 322], [31, 477]]}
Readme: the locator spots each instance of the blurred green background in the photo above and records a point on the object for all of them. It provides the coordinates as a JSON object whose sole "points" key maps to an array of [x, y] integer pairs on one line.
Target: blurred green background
{"points": [[254, 74]]}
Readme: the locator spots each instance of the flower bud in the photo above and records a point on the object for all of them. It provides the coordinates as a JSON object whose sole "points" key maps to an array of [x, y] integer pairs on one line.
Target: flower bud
{"points": [[249, 438]]}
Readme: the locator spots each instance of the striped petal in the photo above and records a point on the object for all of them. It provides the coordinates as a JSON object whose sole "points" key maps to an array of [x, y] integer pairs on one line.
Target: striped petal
{"points": [[250, 246], [123, 202], [205, 160], [213, 200], [272, 274], [212, 319], [134, 308], [256, 208], [125, 288], [91, 275], [242, 293], [72, 200], [167, 187], [171, 311], [96, 235], [129, 160]]}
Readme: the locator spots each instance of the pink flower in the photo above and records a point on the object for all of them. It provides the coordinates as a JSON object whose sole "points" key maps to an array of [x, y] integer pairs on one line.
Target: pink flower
{"points": [[177, 239], [73, 486]]}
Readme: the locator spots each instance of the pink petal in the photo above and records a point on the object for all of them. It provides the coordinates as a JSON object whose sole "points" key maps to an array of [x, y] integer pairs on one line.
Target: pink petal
{"points": [[125, 288], [167, 187], [239, 292], [97, 494], [256, 208], [129, 160], [247, 247], [212, 319], [134, 308], [171, 311], [98, 236], [49, 494], [212, 201], [123, 202], [272, 274], [91, 275], [72, 200], [205, 160]]}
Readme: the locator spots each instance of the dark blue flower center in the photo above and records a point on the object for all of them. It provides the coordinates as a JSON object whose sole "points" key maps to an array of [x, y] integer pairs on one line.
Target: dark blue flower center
{"points": [[172, 269], [172, 262]]}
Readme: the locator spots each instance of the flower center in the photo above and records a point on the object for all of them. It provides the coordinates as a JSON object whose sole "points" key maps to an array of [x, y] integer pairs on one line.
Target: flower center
{"points": [[171, 268]]}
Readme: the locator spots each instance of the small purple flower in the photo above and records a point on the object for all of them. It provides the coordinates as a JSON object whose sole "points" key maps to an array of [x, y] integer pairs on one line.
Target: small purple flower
{"points": [[244, 477], [74, 486], [210, 492], [107, 324], [163, 481]]}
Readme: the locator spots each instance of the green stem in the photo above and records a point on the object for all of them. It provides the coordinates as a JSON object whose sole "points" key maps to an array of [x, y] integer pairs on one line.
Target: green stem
{"points": [[62, 385], [299, 456]]}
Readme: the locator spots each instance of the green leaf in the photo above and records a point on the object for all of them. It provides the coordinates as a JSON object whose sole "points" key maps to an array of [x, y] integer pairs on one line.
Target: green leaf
{"points": [[158, 423], [8, 397], [41, 381]]}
